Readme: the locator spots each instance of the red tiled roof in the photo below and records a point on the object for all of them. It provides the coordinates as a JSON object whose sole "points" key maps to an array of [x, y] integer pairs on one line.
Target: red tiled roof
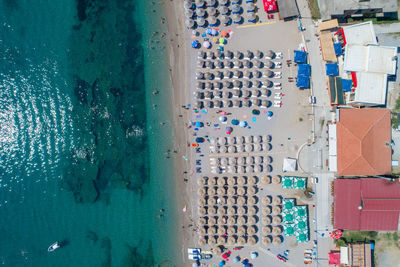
{"points": [[363, 136], [379, 198]]}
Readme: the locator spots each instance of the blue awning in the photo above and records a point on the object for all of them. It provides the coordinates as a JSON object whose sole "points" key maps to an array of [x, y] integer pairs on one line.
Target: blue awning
{"points": [[300, 56], [346, 85], [304, 69], [303, 81], [332, 69], [338, 49]]}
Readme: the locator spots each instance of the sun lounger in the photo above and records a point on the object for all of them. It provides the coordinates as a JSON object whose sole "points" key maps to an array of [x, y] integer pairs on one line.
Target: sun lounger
{"points": [[278, 93], [277, 105], [278, 65], [277, 84], [277, 88], [277, 97], [279, 55], [278, 75]]}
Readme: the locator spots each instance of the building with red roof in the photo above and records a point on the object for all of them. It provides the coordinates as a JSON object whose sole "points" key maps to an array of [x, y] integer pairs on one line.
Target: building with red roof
{"points": [[367, 204], [363, 142]]}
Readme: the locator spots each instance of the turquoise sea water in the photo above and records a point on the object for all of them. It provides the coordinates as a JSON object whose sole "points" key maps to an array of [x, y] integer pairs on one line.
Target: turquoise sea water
{"points": [[82, 152]]}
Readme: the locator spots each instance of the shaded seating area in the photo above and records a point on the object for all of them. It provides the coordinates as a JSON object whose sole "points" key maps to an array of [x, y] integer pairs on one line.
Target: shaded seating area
{"points": [[335, 90], [295, 220], [292, 182], [332, 69], [300, 56], [303, 75]]}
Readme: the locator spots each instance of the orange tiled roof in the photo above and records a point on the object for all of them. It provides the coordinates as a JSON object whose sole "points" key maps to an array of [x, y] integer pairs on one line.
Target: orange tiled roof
{"points": [[363, 136]]}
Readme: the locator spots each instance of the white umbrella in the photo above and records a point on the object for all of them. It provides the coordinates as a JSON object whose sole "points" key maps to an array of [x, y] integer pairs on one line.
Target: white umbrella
{"points": [[231, 169], [248, 148], [211, 201], [239, 140], [212, 20], [189, 23], [223, 162], [224, 10], [258, 54], [257, 147], [211, 181], [249, 169], [225, 19], [201, 13], [229, 54], [249, 160], [231, 149], [248, 139], [212, 11], [231, 181], [221, 140], [258, 168], [241, 180], [231, 140], [258, 160], [232, 161], [241, 161], [266, 200], [240, 169], [269, 64], [239, 149]]}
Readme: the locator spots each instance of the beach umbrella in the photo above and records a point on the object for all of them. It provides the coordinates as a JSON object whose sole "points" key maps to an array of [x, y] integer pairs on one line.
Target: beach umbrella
{"points": [[221, 230], [258, 168], [238, 64], [276, 210], [228, 130], [247, 83], [246, 103], [240, 161], [199, 3], [241, 230], [202, 241], [201, 231], [231, 161], [244, 124], [265, 103], [223, 10], [269, 64], [248, 74], [251, 240], [211, 191], [251, 220], [211, 210], [239, 139], [257, 74], [240, 149], [213, 21], [228, 64], [251, 211], [200, 85], [258, 54], [207, 95], [201, 201], [231, 210], [231, 169], [247, 63], [202, 181], [267, 240], [220, 65], [268, 168], [229, 54], [221, 220], [266, 229], [226, 94], [221, 140], [195, 44], [231, 181], [223, 118], [232, 149], [209, 64], [223, 149], [258, 64], [251, 190], [266, 210], [241, 241], [238, 55], [217, 103], [189, 13], [241, 221], [236, 9], [221, 192], [251, 17], [249, 169], [231, 140], [270, 113], [257, 159], [211, 201], [221, 180], [268, 74], [199, 75], [269, 54], [257, 84], [240, 169], [201, 13], [248, 54], [276, 230], [266, 221], [227, 74], [201, 55], [201, 221], [268, 83], [241, 181], [227, 84], [212, 11], [277, 240], [198, 105], [241, 201], [221, 211], [252, 180], [237, 74], [231, 220], [227, 103], [231, 241], [221, 240], [201, 211], [201, 191], [246, 93], [187, 5], [248, 139], [276, 220], [222, 40], [276, 200], [221, 263], [268, 159], [225, 20], [211, 240], [248, 147], [257, 148], [223, 2], [210, 55], [211, 181], [240, 191], [237, 93], [206, 44], [230, 231]]}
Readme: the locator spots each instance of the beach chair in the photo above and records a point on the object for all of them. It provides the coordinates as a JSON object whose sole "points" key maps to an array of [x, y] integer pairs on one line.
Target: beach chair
{"points": [[277, 75], [278, 65], [277, 103], [277, 97], [277, 88], [277, 84], [278, 94], [279, 55]]}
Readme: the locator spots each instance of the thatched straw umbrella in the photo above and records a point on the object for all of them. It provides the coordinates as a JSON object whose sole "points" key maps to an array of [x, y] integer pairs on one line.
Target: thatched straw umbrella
{"points": [[231, 231], [268, 167], [241, 180], [201, 231], [211, 201], [251, 190], [241, 201], [276, 200], [266, 230], [231, 181], [221, 211], [221, 220], [201, 211], [276, 219], [266, 179], [202, 221], [252, 210], [266, 210], [211, 230], [231, 210], [212, 181], [221, 180], [276, 230], [251, 230], [266, 220], [201, 201], [201, 191], [276, 179], [231, 220], [241, 230], [252, 200], [211, 210], [231, 201], [231, 191], [202, 180], [212, 240], [276, 210], [240, 191], [221, 191], [241, 220], [266, 200], [211, 191], [202, 241], [277, 240], [267, 240], [221, 240], [251, 220], [221, 230], [240, 211], [241, 241], [231, 241], [251, 240], [268, 159], [211, 221]]}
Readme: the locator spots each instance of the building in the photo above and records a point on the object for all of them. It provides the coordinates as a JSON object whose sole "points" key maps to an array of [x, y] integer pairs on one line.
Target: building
{"points": [[367, 204], [363, 138], [288, 9], [344, 9]]}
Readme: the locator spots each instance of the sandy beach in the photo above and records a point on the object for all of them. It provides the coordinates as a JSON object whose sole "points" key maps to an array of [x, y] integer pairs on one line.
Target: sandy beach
{"points": [[289, 127]]}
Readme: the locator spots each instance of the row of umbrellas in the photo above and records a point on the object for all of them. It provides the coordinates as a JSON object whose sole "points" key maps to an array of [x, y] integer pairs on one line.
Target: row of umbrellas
{"points": [[236, 84], [241, 169], [235, 55], [235, 64], [208, 75], [227, 190], [235, 93], [231, 221], [231, 181], [241, 161], [276, 200], [266, 210], [227, 200], [267, 179], [242, 139], [229, 103], [230, 241], [268, 220], [241, 148], [230, 210], [230, 231]]}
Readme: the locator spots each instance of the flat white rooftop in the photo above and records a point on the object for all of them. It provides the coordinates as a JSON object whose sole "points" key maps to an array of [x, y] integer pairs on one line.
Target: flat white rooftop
{"points": [[371, 88], [371, 58], [360, 34]]}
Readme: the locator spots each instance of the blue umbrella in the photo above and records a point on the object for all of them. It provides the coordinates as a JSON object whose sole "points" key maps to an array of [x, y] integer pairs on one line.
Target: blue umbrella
{"points": [[199, 124], [269, 113], [222, 119], [209, 31], [247, 265], [243, 124], [195, 44], [254, 255], [221, 263], [235, 122], [200, 139]]}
